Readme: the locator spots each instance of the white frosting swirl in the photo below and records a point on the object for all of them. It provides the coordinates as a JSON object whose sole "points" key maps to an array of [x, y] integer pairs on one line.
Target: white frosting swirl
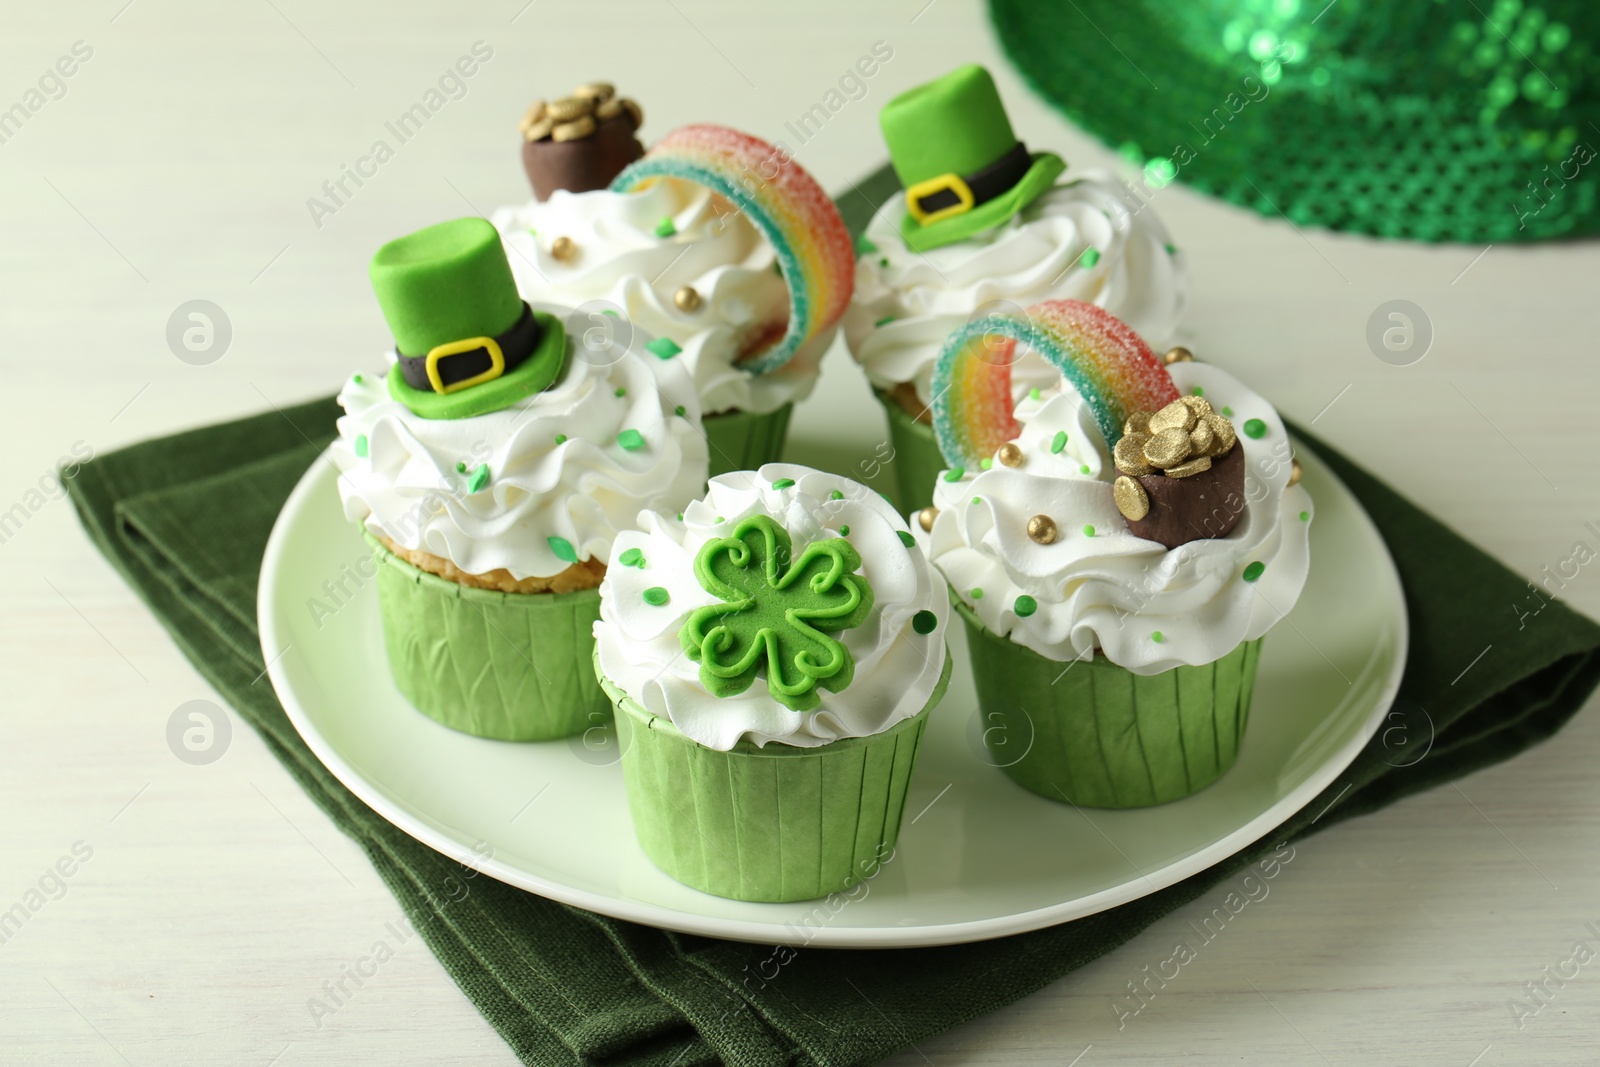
{"points": [[555, 464], [906, 303], [622, 261], [896, 668], [1114, 591]]}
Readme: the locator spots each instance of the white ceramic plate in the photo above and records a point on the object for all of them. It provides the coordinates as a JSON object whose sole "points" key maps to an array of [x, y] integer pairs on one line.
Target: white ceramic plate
{"points": [[978, 856]]}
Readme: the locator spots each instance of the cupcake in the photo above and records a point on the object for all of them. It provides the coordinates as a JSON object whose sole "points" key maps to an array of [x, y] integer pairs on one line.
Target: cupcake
{"points": [[773, 653], [491, 469], [985, 228], [715, 243], [1117, 549]]}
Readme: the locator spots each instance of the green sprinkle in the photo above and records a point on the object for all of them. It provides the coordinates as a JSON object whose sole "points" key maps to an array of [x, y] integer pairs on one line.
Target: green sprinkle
{"points": [[1083, 468], [610, 311], [1171, 248], [532, 232], [985, 463], [632, 440], [563, 549], [356, 378], [906, 539], [1058, 442], [1025, 606], [621, 391], [1255, 428], [954, 474], [1227, 411], [924, 622], [783, 483], [479, 479], [561, 438], [1033, 394], [1158, 637], [680, 516], [1197, 391], [663, 348], [718, 519], [632, 558], [844, 531], [1090, 257], [461, 468], [1305, 516], [666, 227], [680, 410], [1088, 531], [977, 500], [977, 594], [884, 262], [836, 495], [865, 247], [886, 320], [656, 596], [361, 445], [1254, 571]]}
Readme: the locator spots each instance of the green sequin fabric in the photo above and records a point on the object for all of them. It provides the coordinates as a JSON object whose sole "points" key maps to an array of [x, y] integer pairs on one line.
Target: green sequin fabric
{"points": [[1431, 120]]}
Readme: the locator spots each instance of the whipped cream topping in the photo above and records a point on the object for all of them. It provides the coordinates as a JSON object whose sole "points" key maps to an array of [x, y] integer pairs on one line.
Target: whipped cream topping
{"points": [[1090, 239], [554, 476], [896, 667], [621, 262], [1098, 586]]}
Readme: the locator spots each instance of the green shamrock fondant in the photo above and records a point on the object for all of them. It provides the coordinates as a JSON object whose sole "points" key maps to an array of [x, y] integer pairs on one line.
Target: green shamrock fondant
{"points": [[776, 612]]}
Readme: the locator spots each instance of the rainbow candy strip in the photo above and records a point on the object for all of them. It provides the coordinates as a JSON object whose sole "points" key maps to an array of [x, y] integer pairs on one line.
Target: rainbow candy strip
{"points": [[785, 203], [1101, 357]]}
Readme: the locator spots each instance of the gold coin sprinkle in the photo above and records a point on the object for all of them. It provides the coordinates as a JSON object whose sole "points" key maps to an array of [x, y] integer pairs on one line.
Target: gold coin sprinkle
{"points": [[1138, 422], [634, 112], [1129, 454], [1194, 466], [1009, 455], [1042, 529], [1178, 354], [563, 248], [1197, 404], [1294, 472], [1226, 436], [576, 130], [570, 107], [608, 109], [1175, 415], [534, 113], [595, 91], [925, 518], [1168, 448], [1202, 437], [538, 131], [687, 298], [1132, 500]]}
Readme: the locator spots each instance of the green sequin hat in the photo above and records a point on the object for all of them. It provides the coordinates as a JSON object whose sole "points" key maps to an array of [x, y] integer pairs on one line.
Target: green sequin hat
{"points": [[1456, 120], [963, 169], [466, 344]]}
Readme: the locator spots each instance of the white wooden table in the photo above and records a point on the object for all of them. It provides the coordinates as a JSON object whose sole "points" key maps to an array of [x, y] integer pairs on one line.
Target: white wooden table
{"points": [[175, 164]]}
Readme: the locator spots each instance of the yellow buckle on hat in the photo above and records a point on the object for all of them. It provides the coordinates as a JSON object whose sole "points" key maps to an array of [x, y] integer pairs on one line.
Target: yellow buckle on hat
{"points": [[952, 182], [497, 362]]}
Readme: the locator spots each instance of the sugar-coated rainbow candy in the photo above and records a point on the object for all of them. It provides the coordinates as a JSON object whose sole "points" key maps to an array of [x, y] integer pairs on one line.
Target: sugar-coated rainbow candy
{"points": [[785, 203], [1101, 357]]}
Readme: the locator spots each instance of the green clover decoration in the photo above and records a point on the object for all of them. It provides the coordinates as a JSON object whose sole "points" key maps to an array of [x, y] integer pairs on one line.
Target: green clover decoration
{"points": [[775, 612]]}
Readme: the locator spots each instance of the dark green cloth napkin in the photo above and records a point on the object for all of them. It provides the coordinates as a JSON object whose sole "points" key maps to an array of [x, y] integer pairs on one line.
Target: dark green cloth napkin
{"points": [[185, 520]]}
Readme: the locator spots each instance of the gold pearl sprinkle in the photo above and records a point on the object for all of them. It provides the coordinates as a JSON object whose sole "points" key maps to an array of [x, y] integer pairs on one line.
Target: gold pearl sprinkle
{"points": [[1042, 529], [1132, 500], [1294, 472], [563, 248], [1178, 354], [687, 299], [925, 518], [1009, 455]]}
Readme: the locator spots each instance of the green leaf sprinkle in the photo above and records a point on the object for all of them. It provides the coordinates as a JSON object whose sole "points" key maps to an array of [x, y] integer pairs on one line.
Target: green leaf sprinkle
{"points": [[563, 549]]}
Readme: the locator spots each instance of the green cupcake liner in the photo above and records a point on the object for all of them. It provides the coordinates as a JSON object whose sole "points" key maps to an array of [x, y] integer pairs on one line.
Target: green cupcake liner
{"points": [[772, 824], [1097, 735], [917, 460], [508, 666], [743, 440]]}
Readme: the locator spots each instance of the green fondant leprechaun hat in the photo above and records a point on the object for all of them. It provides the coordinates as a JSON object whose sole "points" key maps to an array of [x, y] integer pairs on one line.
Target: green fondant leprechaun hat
{"points": [[962, 167], [466, 343]]}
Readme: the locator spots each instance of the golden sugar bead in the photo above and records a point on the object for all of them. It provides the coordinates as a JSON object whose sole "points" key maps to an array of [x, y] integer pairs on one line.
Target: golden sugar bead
{"points": [[1167, 448], [1194, 466], [1177, 354], [1042, 529], [1175, 415], [1138, 422], [570, 107], [1009, 455], [687, 299], [1294, 472], [534, 113], [1226, 435], [1132, 500], [595, 91], [1197, 404], [925, 518], [1129, 454], [538, 131], [1202, 438], [563, 248], [576, 130]]}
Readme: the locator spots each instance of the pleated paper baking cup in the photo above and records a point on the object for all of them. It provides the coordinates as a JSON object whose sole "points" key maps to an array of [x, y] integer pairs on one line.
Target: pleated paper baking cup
{"points": [[777, 823], [1098, 735], [508, 666], [917, 461], [744, 440]]}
